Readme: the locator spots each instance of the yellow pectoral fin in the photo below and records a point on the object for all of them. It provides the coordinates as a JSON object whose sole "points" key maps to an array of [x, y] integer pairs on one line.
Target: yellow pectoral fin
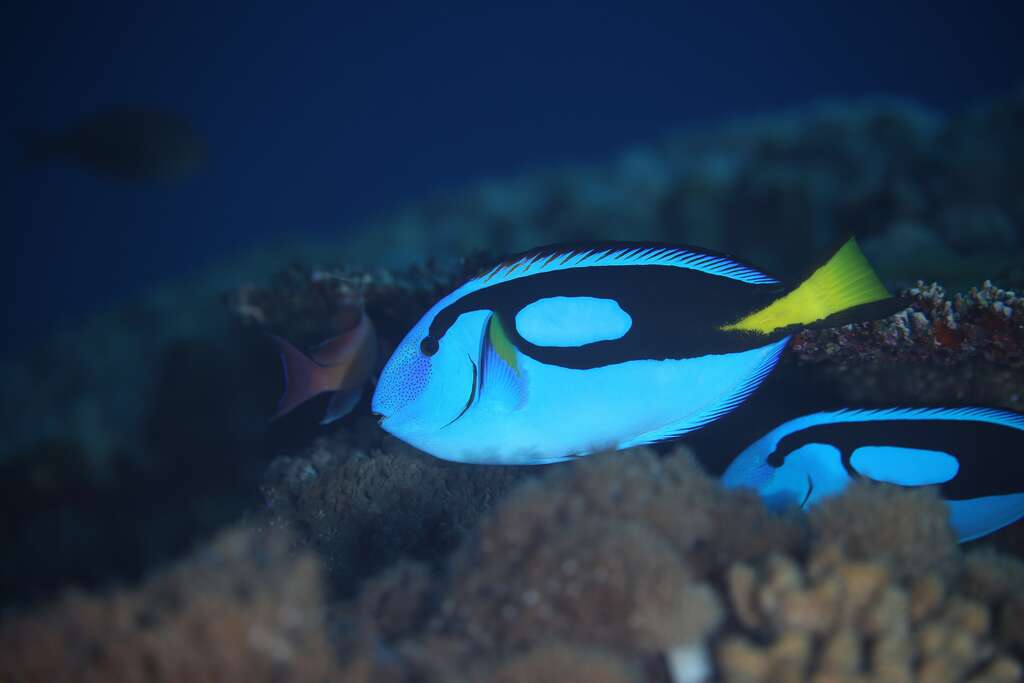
{"points": [[845, 281], [502, 344]]}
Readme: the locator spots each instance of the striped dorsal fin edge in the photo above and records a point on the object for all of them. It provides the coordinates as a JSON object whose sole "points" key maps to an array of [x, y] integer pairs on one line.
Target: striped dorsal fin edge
{"points": [[564, 257]]}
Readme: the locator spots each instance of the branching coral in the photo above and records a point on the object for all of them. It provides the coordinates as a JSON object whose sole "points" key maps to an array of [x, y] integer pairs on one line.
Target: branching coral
{"points": [[836, 619], [245, 608], [998, 580], [882, 595]]}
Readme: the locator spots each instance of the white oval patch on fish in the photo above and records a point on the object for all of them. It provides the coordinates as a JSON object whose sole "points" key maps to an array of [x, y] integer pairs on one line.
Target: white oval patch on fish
{"points": [[572, 321]]}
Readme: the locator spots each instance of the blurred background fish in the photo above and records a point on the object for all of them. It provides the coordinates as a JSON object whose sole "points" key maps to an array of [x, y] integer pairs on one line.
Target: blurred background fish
{"points": [[131, 144]]}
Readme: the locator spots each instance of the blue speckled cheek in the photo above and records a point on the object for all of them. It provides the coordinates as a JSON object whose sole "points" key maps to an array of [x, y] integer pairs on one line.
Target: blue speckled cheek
{"points": [[405, 379]]}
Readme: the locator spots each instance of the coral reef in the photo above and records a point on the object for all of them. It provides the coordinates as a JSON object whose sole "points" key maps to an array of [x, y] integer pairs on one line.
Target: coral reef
{"points": [[965, 348], [558, 662], [310, 304], [986, 323], [195, 438], [622, 567], [635, 537], [836, 619], [364, 499], [243, 608], [888, 171], [146, 428], [932, 196], [869, 522], [633, 561]]}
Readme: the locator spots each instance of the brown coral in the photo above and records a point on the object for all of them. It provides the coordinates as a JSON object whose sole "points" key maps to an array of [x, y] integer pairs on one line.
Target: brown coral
{"points": [[906, 528], [245, 607], [564, 663], [610, 552], [364, 501], [873, 595], [311, 304], [836, 619], [622, 567], [998, 580]]}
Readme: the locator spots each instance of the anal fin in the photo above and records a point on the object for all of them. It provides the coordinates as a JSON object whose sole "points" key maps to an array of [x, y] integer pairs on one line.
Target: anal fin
{"points": [[976, 517]]}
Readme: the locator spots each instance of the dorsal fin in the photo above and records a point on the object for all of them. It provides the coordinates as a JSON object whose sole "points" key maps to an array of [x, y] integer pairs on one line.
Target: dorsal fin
{"points": [[994, 416], [1006, 418], [565, 256]]}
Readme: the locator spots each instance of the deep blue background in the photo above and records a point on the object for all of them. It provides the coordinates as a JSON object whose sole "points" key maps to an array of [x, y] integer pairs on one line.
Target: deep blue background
{"points": [[319, 117]]}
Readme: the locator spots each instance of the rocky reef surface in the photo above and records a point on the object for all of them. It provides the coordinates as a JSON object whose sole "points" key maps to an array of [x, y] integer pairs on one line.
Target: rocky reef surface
{"points": [[962, 349], [629, 566], [343, 554], [932, 197]]}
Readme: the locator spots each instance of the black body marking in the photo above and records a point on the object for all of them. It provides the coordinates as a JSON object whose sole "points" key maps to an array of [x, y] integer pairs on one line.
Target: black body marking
{"points": [[810, 490], [676, 312], [991, 455], [472, 395], [429, 346]]}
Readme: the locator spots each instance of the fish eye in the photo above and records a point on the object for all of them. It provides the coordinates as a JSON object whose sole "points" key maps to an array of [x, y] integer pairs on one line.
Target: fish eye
{"points": [[428, 346]]}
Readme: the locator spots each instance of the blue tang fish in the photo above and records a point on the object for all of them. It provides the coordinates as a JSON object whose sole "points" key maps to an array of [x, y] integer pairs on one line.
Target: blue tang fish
{"points": [[567, 350], [972, 454]]}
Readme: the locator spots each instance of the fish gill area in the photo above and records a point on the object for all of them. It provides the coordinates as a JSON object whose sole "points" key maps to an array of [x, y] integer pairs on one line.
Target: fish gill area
{"points": [[222, 546]]}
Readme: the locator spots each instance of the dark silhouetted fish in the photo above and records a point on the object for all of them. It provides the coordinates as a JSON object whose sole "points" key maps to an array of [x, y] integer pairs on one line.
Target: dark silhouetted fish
{"points": [[341, 365], [127, 144]]}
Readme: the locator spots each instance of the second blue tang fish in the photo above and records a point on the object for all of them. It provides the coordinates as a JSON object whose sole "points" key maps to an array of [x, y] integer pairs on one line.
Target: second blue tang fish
{"points": [[972, 454], [566, 350]]}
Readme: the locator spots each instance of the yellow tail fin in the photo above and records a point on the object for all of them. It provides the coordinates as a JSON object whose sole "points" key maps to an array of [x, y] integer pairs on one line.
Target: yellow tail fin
{"points": [[845, 281]]}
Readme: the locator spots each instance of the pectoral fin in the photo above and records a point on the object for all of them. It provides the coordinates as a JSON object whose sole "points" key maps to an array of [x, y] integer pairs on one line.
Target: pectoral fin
{"points": [[502, 384], [977, 517]]}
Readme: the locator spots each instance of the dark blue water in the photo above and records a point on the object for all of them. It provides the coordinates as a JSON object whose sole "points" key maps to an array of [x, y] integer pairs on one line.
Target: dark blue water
{"points": [[319, 117]]}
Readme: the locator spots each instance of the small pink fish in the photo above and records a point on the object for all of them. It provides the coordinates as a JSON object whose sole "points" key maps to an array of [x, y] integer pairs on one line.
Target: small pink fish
{"points": [[342, 365]]}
